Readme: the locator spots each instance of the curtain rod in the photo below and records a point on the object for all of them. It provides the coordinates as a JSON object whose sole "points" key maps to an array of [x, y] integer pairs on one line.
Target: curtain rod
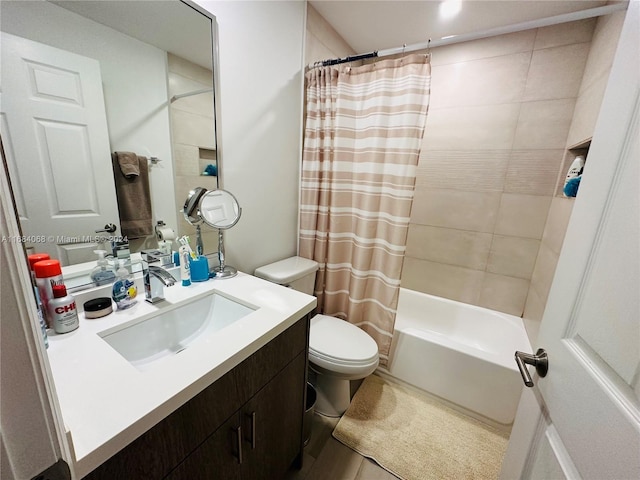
{"points": [[491, 32], [189, 94]]}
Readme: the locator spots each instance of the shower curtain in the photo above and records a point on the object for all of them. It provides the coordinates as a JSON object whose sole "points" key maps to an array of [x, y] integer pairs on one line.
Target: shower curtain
{"points": [[363, 132]]}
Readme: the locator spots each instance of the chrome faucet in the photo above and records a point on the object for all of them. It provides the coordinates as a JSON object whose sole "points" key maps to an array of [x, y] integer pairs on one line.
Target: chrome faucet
{"points": [[156, 277]]}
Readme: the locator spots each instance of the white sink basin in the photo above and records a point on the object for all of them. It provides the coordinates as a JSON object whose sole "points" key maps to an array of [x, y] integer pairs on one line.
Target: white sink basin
{"points": [[170, 332]]}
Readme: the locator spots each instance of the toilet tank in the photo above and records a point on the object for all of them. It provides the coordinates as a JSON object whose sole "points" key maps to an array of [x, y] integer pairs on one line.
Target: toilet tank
{"points": [[294, 272]]}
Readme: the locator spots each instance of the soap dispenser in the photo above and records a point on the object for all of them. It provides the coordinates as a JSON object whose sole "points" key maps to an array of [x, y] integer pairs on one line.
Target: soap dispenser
{"points": [[102, 274], [124, 288]]}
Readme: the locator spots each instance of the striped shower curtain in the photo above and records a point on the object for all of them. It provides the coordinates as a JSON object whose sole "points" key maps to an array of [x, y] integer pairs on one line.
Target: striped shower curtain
{"points": [[362, 140]]}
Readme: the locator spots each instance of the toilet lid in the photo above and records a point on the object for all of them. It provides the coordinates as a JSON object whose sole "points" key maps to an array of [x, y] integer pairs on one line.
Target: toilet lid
{"points": [[334, 339]]}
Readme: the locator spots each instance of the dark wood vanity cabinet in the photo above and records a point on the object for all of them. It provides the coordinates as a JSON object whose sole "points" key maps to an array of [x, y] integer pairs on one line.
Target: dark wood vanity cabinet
{"points": [[247, 425]]}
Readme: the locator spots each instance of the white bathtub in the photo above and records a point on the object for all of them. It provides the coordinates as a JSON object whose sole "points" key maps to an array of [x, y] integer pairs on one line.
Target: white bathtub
{"points": [[459, 352]]}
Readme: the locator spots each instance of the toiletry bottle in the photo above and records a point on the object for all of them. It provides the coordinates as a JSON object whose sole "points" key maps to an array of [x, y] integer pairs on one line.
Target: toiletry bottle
{"points": [[124, 289], [62, 309], [102, 274], [33, 259], [48, 273], [185, 274], [575, 169]]}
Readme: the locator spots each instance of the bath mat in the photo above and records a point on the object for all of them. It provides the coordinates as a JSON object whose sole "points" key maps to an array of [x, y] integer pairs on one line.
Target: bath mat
{"points": [[416, 438]]}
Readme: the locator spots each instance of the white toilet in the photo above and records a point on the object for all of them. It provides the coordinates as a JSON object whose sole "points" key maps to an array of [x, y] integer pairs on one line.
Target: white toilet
{"points": [[338, 351]]}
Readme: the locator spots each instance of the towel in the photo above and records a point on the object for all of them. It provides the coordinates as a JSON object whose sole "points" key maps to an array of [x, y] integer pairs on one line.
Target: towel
{"points": [[133, 194], [128, 162]]}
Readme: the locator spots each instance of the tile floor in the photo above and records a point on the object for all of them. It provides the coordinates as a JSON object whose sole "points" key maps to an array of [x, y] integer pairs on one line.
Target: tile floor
{"points": [[326, 458]]}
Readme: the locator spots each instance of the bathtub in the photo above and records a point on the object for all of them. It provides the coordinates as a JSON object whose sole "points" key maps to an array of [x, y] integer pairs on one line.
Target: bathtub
{"points": [[459, 352]]}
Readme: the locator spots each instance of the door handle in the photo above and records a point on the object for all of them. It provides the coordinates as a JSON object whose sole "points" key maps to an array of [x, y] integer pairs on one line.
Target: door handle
{"points": [[540, 361], [238, 432], [108, 228], [252, 417]]}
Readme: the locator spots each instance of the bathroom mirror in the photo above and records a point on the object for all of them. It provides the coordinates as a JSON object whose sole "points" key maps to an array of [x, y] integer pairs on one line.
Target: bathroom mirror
{"points": [[153, 72], [220, 209]]}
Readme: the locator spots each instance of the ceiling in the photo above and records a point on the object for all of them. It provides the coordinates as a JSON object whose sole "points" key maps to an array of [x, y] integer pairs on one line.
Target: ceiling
{"points": [[375, 25], [171, 26]]}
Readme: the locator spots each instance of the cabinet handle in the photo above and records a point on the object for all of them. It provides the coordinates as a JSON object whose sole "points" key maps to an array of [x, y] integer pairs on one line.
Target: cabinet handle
{"points": [[252, 415], [239, 443]]}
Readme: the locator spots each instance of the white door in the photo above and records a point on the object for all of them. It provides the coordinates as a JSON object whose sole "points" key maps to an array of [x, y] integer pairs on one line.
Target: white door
{"points": [[54, 132], [583, 419]]}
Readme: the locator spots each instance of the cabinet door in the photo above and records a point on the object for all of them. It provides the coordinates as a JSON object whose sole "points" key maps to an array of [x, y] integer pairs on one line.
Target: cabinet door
{"points": [[218, 458], [272, 424]]}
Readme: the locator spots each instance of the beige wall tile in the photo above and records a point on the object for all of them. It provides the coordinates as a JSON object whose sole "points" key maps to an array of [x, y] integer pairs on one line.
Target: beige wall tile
{"points": [[532, 316], [484, 48], [188, 69], [556, 72], [471, 128], [474, 211], [603, 47], [586, 112], [544, 124], [579, 31], [186, 159], [557, 221], [533, 172], [487, 81], [543, 272], [504, 294], [445, 245], [513, 256], [322, 41], [192, 129], [478, 171], [522, 215], [456, 283]]}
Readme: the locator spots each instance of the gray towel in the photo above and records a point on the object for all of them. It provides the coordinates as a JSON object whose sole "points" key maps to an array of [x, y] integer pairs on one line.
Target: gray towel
{"points": [[134, 196]]}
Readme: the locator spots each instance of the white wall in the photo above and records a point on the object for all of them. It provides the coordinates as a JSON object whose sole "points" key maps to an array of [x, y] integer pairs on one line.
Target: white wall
{"points": [[261, 57], [138, 117]]}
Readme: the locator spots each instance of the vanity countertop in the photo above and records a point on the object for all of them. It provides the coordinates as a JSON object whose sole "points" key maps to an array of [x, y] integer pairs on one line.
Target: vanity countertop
{"points": [[106, 402]]}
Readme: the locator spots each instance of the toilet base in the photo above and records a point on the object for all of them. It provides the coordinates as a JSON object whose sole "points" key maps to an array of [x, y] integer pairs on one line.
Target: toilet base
{"points": [[334, 395]]}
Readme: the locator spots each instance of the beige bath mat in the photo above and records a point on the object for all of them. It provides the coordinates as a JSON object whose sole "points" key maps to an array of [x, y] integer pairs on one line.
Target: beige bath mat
{"points": [[416, 438]]}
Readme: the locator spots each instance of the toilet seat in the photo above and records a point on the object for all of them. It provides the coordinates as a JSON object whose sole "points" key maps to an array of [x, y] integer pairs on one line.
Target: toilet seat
{"points": [[341, 348]]}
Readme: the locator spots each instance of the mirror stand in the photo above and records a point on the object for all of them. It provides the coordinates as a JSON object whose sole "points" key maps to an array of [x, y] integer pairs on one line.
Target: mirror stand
{"points": [[223, 271], [199, 244], [219, 209]]}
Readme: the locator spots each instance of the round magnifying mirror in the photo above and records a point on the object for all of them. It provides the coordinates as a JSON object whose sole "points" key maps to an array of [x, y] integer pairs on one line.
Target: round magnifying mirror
{"points": [[190, 209], [219, 209]]}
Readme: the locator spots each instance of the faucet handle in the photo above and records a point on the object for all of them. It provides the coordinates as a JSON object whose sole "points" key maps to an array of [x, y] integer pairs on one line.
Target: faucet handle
{"points": [[153, 256]]}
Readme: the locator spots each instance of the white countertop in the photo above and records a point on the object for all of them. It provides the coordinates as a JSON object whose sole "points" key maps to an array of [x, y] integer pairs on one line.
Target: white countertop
{"points": [[106, 402]]}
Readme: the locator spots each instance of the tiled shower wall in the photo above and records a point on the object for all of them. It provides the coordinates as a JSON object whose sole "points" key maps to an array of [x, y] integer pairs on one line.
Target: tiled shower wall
{"points": [[192, 131], [500, 113], [486, 228], [594, 80]]}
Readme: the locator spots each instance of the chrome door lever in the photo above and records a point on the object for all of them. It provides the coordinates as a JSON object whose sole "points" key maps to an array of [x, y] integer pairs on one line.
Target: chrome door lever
{"points": [[108, 228], [540, 360]]}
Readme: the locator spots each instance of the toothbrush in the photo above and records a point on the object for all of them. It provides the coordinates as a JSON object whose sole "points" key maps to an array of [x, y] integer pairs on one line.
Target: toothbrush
{"points": [[184, 241]]}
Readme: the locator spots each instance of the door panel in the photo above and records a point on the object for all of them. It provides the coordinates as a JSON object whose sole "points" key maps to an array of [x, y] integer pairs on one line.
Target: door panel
{"points": [[587, 407], [53, 127]]}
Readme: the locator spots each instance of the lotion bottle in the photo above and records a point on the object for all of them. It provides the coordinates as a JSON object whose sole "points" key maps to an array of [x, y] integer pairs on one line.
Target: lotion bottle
{"points": [[62, 309]]}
